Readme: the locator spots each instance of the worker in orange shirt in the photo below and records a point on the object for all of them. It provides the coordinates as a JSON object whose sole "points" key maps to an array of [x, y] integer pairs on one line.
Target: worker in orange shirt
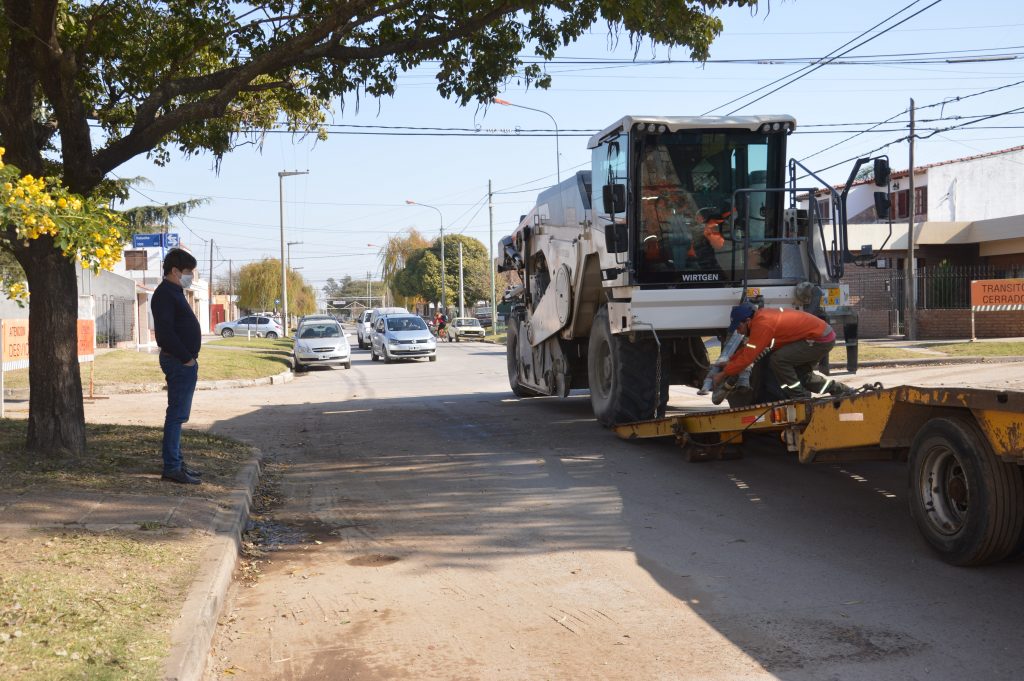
{"points": [[797, 342]]}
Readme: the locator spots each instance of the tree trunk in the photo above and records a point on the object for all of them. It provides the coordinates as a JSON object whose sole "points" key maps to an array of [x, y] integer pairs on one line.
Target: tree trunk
{"points": [[56, 420]]}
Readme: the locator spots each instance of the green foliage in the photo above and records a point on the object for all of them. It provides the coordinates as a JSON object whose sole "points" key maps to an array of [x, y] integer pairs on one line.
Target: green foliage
{"points": [[394, 256], [350, 289], [259, 285], [421, 277]]}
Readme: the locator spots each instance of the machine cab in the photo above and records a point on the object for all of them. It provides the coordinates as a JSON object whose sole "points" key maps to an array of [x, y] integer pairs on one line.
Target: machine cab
{"points": [[696, 202]]}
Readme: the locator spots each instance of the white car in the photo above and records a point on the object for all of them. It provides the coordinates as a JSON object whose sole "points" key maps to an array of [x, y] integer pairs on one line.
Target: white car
{"points": [[323, 344], [363, 329], [466, 327]]}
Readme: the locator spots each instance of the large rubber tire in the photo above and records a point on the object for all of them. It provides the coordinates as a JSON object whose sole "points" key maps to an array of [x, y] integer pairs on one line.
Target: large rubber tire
{"points": [[227, 333], [373, 355], [387, 357], [433, 358], [512, 359], [966, 501], [271, 335], [621, 375]]}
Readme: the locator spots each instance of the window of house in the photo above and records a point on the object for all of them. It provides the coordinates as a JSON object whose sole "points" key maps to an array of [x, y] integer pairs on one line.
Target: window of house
{"points": [[136, 260], [823, 210]]}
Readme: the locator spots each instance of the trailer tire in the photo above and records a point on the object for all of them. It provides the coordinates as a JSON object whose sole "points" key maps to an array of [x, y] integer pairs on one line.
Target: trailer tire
{"points": [[621, 375], [512, 359], [1018, 551], [966, 501]]}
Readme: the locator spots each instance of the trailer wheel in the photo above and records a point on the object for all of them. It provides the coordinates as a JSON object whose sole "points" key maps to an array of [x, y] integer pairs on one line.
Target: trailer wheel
{"points": [[512, 359], [1018, 551], [621, 375], [966, 501]]}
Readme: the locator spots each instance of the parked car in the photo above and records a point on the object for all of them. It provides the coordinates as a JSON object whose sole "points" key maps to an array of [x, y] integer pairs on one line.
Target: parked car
{"points": [[364, 330], [466, 327], [402, 336], [255, 325], [316, 318], [323, 343]]}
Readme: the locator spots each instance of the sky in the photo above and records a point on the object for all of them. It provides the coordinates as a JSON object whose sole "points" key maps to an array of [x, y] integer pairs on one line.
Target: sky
{"points": [[354, 195]]}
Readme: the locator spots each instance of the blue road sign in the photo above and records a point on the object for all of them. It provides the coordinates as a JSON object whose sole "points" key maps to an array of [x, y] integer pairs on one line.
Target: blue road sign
{"points": [[146, 240], [171, 240]]}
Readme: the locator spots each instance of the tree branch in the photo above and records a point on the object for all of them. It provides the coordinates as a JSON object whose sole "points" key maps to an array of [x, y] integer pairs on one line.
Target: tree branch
{"points": [[149, 129]]}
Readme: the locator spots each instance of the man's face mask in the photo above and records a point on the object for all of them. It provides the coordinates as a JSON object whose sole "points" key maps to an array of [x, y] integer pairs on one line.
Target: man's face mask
{"points": [[186, 280]]}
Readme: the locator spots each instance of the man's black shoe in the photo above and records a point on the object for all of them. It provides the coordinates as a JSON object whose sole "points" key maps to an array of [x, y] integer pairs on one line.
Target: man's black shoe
{"points": [[180, 476], [195, 473]]}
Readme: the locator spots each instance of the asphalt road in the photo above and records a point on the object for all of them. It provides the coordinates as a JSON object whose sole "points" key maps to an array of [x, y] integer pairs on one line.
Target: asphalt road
{"points": [[439, 528]]}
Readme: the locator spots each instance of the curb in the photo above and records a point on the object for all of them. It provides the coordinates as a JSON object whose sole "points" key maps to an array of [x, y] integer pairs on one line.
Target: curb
{"points": [[139, 388], [192, 635], [925, 361]]}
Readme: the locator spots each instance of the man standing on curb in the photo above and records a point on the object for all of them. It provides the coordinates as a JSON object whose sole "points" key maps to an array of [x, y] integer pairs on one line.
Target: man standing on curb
{"points": [[797, 342], [179, 336]]}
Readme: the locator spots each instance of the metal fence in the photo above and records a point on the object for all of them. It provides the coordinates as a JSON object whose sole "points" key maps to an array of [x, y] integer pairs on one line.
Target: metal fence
{"points": [[115, 320], [879, 295], [949, 287]]}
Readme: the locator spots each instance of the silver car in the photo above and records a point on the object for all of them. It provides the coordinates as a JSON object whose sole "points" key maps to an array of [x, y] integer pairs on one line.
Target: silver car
{"points": [[402, 336], [252, 325], [321, 343]]}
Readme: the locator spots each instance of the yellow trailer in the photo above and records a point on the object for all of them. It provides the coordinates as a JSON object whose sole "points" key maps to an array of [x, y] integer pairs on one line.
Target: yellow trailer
{"points": [[965, 450]]}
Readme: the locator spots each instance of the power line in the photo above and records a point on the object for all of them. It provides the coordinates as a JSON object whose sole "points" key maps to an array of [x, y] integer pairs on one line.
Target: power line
{"points": [[927, 106], [800, 73]]}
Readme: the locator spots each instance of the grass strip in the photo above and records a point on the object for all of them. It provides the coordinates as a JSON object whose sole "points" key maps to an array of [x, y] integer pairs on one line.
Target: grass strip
{"points": [[980, 349], [121, 367], [119, 459], [76, 604], [85, 605]]}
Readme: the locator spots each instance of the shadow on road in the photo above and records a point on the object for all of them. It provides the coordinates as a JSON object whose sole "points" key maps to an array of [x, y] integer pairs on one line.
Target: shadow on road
{"points": [[813, 571]]}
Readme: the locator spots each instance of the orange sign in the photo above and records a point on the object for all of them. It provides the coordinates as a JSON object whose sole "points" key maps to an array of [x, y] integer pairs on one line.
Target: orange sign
{"points": [[997, 295], [14, 342], [86, 338], [14, 337]]}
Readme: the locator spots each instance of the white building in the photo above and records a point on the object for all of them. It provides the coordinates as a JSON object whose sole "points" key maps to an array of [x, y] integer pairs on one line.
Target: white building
{"points": [[969, 211]]}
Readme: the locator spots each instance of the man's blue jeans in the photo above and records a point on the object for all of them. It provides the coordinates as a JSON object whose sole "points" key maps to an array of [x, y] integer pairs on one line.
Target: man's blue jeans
{"points": [[181, 385]]}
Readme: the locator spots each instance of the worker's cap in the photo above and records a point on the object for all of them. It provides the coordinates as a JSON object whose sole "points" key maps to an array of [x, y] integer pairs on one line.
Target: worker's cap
{"points": [[740, 313]]}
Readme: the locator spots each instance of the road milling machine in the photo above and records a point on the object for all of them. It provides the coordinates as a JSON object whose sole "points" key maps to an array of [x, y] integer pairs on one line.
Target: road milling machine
{"points": [[619, 273]]}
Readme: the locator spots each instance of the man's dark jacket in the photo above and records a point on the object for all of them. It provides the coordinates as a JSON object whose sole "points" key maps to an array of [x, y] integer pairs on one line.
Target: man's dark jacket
{"points": [[177, 329]]}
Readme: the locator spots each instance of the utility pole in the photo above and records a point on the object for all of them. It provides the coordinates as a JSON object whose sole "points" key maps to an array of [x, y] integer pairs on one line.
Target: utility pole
{"points": [[369, 299], [284, 269], [209, 290], [490, 251], [910, 323], [231, 289], [462, 290]]}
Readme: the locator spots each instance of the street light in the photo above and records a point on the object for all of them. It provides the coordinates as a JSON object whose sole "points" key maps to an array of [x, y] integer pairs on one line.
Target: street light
{"points": [[558, 154], [284, 269], [289, 245], [444, 300]]}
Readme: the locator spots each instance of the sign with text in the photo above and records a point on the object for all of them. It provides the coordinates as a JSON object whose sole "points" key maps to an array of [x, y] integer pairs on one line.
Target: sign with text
{"points": [[169, 240], [997, 295], [14, 342], [14, 336], [86, 340]]}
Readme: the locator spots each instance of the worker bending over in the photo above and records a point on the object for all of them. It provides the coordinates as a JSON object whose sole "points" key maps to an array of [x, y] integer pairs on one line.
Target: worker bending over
{"points": [[797, 342]]}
